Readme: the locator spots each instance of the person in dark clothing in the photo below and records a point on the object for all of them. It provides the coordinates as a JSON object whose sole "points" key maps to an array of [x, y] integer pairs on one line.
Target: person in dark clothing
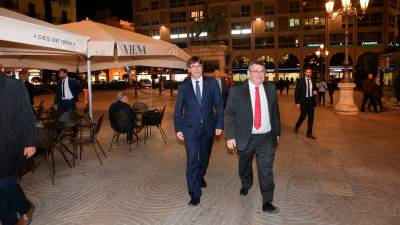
{"points": [[17, 143], [67, 93], [368, 87], [29, 86], [377, 93], [305, 99], [331, 88], [122, 105], [222, 86], [397, 88], [287, 84], [281, 85]]}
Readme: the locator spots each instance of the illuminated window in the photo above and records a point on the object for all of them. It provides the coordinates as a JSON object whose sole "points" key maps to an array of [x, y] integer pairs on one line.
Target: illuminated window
{"points": [[294, 23], [241, 28], [196, 15], [178, 32], [269, 25]]}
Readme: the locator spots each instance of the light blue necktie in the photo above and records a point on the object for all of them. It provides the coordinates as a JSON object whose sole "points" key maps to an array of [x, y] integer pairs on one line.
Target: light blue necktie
{"points": [[198, 93]]}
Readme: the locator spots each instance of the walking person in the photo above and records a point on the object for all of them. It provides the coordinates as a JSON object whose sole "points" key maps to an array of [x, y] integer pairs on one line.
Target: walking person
{"points": [[368, 87], [281, 85], [223, 87], [17, 140], [331, 84], [321, 86], [198, 117], [287, 85], [305, 95], [254, 131], [67, 93]]}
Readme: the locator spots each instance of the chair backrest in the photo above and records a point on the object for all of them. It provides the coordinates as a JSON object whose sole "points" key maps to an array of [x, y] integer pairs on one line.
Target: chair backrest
{"points": [[162, 114], [44, 136], [119, 121], [140, 107], [69, 119], [98, 125]]}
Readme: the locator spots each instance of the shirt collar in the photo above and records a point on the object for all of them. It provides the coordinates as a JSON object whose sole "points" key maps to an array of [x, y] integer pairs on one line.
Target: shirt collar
{"points": [[252, 85], [200, 80]]}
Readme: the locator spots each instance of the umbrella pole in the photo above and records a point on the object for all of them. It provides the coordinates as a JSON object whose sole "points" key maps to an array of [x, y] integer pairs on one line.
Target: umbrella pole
{"points": [[89, 73]]}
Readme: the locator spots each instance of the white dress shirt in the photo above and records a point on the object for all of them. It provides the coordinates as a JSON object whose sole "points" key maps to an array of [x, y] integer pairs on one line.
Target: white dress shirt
{"points": [[200, 84], [219, 83], [308, 89], [67, 92], [265, 120]]}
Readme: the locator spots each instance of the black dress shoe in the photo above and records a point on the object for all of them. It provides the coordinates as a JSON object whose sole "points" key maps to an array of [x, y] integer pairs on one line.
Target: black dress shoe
{"points": [[194, 201], [244, 191], [269, 208], [296, 130], [311, 136], [203, 183]]}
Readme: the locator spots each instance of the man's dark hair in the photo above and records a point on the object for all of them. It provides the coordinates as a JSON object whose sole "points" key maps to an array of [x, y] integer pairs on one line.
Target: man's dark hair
{"points": [[194, 59], [308, 68], [63, 70], [256, 62]]}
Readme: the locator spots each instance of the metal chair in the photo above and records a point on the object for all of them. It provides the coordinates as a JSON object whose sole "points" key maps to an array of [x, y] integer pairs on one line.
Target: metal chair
{"points": [[91, 137], [119, 122], [154, 118]]}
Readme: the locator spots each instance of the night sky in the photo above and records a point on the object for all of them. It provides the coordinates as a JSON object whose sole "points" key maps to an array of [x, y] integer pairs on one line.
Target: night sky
{"points": [[92, 9]]}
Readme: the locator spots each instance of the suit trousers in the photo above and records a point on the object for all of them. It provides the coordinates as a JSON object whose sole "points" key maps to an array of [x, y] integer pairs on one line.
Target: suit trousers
{"points": [[12, 201], [198, 150], [65, 106], [306, 110], [262, 146]]}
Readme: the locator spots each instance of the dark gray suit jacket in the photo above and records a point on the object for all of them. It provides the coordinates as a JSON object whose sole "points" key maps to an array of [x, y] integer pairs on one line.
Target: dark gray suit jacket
{"points": [[239, 114]]}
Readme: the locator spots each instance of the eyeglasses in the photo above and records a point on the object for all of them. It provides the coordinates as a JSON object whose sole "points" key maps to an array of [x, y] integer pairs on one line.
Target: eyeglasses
{"points": [[195, 67], [256, 71]]}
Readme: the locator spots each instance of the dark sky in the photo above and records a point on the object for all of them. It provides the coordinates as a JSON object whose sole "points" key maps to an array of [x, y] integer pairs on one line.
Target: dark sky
{"points": [[97, 9]]}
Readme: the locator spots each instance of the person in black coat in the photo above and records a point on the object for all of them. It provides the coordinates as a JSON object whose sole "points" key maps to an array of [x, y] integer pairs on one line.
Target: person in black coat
{"points": [[369, 89], [17, 143], [222, 86], [29, 86], [122, 105], [253, 127], [305, 99], [67, 93]]}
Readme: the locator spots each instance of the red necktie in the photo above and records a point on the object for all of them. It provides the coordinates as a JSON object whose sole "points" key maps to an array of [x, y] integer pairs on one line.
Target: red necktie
{"points": [[257, 110]]}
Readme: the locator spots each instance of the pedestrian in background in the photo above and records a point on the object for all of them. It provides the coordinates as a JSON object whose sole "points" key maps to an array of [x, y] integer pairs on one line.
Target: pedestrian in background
{"points": [[321, 86], [331, 84]]}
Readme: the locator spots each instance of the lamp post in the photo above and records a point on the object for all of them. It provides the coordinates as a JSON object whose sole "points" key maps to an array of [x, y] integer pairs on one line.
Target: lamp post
{"points": [[322, 52], [346, 105]]}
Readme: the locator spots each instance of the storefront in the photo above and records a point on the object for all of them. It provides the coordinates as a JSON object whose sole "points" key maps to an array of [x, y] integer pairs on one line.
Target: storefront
{"points": [[34, 76], [337, 72]]}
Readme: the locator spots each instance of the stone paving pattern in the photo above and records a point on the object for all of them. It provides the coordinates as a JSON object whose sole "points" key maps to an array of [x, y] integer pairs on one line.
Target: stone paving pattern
{"points": [[349, 175]]}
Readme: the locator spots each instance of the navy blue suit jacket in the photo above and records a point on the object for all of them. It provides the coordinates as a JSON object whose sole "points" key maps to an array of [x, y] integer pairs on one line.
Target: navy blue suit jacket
{"points": [[188, 113], [74, 87]]}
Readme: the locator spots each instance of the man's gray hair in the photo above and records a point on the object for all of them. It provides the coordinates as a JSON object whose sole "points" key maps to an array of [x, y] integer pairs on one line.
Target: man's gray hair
{"points": [[121, 95]]}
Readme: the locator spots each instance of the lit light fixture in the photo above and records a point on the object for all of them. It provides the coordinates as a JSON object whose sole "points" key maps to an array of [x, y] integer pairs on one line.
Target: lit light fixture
{"points": [[326, 52], [318, 52], [346, 5], [329, 6], [321, 46], [364, 5], [258, 18], [163, 27]]}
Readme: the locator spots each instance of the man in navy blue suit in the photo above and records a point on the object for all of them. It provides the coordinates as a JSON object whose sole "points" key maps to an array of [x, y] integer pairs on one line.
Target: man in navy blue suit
{"points": [[199, 115], [67, 93]]}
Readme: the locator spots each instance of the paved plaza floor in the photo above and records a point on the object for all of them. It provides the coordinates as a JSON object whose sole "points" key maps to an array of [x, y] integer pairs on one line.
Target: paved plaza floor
{"points": [[349, 175]]}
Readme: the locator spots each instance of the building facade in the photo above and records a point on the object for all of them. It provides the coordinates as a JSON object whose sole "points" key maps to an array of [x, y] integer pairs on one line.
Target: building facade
{"points": [[285, 34], [52, 11]]}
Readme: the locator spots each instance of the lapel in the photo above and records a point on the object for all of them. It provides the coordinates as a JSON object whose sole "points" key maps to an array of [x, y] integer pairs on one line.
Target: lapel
{"points": [[246, 99], [191, 90], [205, 91], [269, 100]]}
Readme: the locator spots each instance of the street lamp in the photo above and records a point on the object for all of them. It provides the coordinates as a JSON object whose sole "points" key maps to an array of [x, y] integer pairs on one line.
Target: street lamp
{"points": [[346, 105], [322, 52]]}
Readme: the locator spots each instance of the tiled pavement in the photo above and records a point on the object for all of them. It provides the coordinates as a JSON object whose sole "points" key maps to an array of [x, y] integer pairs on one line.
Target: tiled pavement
{"points": [[349, 175]]}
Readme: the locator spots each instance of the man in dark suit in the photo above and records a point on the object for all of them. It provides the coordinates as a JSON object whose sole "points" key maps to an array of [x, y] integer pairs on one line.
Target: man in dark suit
{"points": [[305, 98], [223, 87], [29, 86], [122, 105], [17, 140], [253, 128], [196, 123], [67, 93]]}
